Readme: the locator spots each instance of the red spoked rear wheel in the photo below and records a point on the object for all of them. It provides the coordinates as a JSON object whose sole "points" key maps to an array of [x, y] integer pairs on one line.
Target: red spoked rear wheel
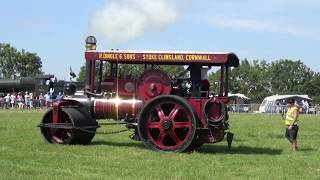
{"points": [[167, 123]]}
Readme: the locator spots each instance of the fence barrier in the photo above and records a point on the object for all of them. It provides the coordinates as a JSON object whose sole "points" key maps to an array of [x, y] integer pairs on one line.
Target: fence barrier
{"points": [[276, 109]]}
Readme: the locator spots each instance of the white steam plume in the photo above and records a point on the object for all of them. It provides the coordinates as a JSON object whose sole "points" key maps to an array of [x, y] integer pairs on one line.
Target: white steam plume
{"points": [[121, 20]]}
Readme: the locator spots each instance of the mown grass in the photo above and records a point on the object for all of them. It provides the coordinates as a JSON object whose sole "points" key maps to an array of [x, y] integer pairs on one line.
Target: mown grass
{"points": [[259, 152]]}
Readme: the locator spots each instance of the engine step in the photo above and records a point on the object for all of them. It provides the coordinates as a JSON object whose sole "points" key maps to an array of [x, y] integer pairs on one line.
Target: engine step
{"points": [[64, 126]]}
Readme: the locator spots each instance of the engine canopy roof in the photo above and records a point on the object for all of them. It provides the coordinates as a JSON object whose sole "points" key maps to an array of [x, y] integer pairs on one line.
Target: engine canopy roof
{"points": [[165, 57]]}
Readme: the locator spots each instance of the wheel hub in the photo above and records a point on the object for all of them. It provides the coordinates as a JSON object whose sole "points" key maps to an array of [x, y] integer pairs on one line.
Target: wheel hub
{"points": [[167, 125]]}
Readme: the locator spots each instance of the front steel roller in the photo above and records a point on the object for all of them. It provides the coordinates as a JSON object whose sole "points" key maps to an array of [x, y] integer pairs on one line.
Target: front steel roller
{"points": [[76, 126], [167, 123]]}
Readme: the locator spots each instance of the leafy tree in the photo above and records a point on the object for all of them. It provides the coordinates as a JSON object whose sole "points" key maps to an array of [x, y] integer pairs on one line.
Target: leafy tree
{"points": [[249, 78], [82, 74], [18, 63], [129, 70], [312, 87], [289, 77], [214, 79], [258, 79], [173, 71], [8, 59], [28, 64]]}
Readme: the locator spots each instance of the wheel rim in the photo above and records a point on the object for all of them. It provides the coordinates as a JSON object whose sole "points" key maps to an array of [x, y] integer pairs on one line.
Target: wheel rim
{"points": [[60, 135], [169, 125], [57, 135]]}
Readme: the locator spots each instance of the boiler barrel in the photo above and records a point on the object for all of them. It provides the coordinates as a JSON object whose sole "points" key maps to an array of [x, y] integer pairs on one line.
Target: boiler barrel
{"points": [[116, 108], [25, 84]]}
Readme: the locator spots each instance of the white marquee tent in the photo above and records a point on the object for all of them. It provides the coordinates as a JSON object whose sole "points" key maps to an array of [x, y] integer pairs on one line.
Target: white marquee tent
{"points": [[272, 104]]}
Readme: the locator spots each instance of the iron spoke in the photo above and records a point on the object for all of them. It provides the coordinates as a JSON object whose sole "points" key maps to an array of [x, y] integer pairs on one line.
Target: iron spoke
{"points": [[173, 113], [160, 113], [174, 137], [161, 137], [181, 124], [154, 125]]}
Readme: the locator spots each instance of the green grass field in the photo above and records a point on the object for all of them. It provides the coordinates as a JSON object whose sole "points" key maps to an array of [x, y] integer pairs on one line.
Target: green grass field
{"points": [[259, 152]]}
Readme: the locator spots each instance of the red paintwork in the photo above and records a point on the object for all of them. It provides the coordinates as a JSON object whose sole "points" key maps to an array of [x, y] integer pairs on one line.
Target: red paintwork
{"points": [[56, 106], [149, 57], [153, 83], [214, 109], [60, 135], [198, 106], [92, 76], [116, 108]]}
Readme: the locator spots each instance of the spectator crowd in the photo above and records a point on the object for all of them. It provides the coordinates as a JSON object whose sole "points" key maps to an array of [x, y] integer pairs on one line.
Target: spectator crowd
{"points": [[27, 100]]}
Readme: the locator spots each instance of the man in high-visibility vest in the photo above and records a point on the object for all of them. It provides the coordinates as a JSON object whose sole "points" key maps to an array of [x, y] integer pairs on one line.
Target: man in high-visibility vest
{"points": [[291, 122]]}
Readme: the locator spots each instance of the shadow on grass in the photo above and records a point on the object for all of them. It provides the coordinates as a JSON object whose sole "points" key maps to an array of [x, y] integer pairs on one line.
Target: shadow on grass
{"points": [[119, 144], [204, 149], [307, 149], [238, 140], [278, 136], [239, 150]]}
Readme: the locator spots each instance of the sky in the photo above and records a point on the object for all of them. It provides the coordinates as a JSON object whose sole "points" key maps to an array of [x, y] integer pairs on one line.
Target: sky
{"points": [[265, 30]]}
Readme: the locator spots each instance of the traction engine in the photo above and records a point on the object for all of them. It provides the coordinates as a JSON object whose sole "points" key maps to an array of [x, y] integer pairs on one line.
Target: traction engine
{"points": [[166, 114]]}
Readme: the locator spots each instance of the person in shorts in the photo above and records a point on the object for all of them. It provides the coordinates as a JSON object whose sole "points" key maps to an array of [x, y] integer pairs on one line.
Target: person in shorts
{"points": [[291, 122]]}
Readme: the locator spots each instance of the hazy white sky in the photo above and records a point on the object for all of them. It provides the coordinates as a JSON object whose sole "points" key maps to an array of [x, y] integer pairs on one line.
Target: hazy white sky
{"points": [[268, 30]]}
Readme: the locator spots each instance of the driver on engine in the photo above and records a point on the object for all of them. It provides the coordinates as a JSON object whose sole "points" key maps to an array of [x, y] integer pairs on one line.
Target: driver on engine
{"points": [[199, 79]]}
